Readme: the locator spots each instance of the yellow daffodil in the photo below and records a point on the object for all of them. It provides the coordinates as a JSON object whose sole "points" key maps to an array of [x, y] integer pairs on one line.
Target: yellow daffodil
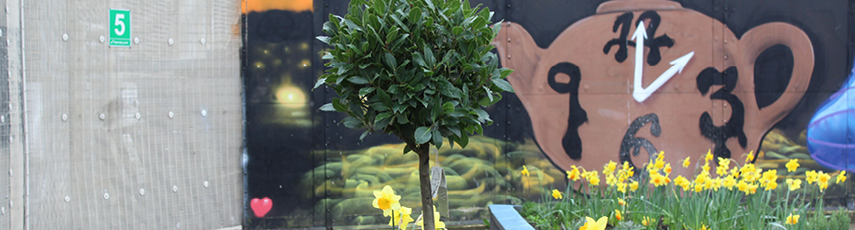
{"points": [[647, 221], [771, 185], [593, 178], [556, 194], [573, 174], [617, 215], [621, 187], [794, 184], [723, 166], [657, 179], [402, 218], [525, 171], [841, 177], [750, 157], [704, 227], [658, 165], [611, 180], [709, 155], [810, 176], [793, 219], [716, 183], [633, 186], [822, 180], [437, 224], [667, 169], [683, 182], [661, 155], [609, 168], [621, 201], [686, 162], [734, 172], [769, 177], [590, 224], [729, 182], [386, 200], [792, 165], [743, 186]]}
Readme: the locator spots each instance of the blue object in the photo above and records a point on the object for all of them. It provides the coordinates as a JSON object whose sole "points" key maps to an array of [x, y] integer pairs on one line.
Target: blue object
{"points": [[506, 217], [829, 134]]}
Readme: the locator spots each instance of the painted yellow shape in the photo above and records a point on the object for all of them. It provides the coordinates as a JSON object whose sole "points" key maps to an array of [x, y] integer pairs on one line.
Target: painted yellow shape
{"points": [[265, 5]]}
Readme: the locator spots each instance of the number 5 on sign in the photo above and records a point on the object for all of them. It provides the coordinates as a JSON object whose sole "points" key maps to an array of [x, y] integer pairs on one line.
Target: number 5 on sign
{"points": [[120, 28]]}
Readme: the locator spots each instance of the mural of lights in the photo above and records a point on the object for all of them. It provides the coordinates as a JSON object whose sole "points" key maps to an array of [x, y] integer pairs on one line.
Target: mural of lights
{"points": [[291, 96]]}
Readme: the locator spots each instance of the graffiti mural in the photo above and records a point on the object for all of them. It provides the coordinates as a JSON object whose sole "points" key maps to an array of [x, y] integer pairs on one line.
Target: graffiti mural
{"points": [[595, 81]]}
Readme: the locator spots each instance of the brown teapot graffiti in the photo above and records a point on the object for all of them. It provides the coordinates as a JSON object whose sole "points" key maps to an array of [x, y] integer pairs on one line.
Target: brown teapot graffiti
{"points": [[591, 98]]}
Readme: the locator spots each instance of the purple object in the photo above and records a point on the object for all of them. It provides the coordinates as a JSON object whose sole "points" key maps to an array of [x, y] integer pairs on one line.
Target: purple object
{"points": [[829, 134]]}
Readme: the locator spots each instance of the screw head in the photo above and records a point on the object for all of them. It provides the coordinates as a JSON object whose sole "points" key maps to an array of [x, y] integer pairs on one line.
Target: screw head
{"points": [[102, 116], [169, 41], [204, 113], [205, 184], [101, 39], [67, 199], [171, 114], [65, 37], [106, 196], [175, 188], [137, 116], [64, 117], [137, 40], [202, 41], [142, 192]]}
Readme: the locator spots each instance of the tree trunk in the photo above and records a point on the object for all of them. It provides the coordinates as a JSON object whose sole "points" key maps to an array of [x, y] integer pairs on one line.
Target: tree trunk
{"points": [[424, 183]]}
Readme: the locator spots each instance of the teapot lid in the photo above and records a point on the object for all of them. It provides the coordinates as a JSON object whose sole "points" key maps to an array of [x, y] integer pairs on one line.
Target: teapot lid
{"points": [[634, 5]]}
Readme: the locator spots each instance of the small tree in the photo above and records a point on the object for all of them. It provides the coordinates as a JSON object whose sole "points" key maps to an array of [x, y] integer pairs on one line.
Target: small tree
{"points": [[420, 69]]}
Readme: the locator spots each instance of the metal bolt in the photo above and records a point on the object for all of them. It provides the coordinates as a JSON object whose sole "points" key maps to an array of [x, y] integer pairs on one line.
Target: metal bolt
{"points": [[142, 192], [202, 41], [725, 57], [102, 116], [101, 39], [205, 184], [64, 117], [137, 116], [65, 37], [137, 40], [204, 113], [175, 188], [169, 41], [106, 196], [67, 199], [171, 114]]}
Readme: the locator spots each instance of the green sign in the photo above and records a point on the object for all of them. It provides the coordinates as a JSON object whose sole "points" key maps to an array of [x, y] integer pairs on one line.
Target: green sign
{"points": [[120, 28]]}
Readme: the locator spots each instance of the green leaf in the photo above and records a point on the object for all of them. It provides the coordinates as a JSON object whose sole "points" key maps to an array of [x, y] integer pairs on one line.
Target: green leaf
{"points": [[463, 140], [382, 120], [379, 106], [429, 58], [401, 119], [415, 14], [390, 60], [352, 122], [437, 138], [454, 129], [319, 83], [447, 107], [407, 149], [328, 107], [422, 134], [489, 93], [363, 135], [384, 97], [418, 59], [496, 28], [366, 90], [352, 25], [358, 80], [506, 72], [502, 84], [482, 115], [324, 39], [457, 30], [430, 4], [336, 102]]}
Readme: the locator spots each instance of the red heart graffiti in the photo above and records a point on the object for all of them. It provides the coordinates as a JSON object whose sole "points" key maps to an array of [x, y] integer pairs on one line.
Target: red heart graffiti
{"points": [[261, 206]]}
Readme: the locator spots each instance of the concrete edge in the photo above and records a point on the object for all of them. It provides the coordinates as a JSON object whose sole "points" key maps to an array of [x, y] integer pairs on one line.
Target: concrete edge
{"points": [[507, 217]]}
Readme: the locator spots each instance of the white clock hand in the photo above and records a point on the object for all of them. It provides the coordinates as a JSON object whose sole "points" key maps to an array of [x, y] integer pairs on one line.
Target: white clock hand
{"points": [[639, 35], [638, 92]]}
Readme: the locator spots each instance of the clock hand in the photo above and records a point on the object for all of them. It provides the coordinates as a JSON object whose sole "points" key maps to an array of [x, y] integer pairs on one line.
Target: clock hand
{"points": [[640, 94], [639, 35]]}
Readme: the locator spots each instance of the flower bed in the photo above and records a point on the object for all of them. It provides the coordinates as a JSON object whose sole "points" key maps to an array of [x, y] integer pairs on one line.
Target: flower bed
{"points": [[732, 196]]}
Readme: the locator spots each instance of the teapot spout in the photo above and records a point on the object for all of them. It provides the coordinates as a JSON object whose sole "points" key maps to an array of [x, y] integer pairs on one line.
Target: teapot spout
{"points": [[518, 51]]}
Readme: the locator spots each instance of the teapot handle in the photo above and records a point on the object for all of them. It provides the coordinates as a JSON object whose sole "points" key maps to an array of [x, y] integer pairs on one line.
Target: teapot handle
{"points": [[767, 35]]}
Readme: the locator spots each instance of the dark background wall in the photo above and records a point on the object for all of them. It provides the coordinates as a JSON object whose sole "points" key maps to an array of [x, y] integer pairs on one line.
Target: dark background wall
{"points": [[290, 142]]}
